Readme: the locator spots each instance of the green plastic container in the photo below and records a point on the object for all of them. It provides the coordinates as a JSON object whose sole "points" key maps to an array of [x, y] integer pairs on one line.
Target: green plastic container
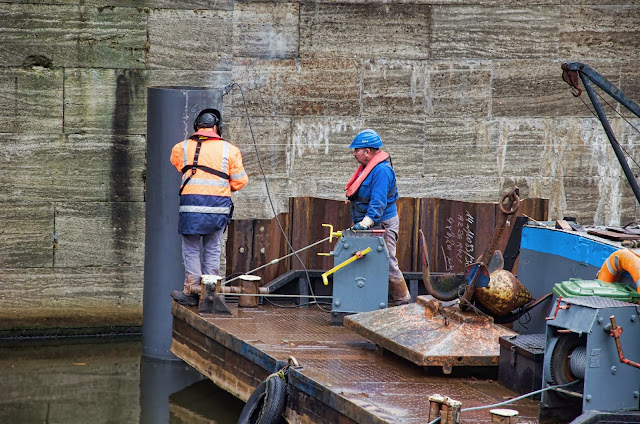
{"points": [[576, 287]]}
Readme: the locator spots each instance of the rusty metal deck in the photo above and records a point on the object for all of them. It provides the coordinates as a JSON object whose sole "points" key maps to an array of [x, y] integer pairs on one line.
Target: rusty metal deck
{"points": [[344, 379], [433, 335]]}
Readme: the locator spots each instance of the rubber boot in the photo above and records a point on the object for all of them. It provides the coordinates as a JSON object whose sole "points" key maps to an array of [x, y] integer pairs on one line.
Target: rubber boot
{"points": [[185, 299], [399, 291]]}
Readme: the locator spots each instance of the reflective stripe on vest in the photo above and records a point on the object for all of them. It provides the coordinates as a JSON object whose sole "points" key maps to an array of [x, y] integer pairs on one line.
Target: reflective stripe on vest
{"points": [[205, 209], [203, 181], [238, 175], [207, 182], [225, 158]]}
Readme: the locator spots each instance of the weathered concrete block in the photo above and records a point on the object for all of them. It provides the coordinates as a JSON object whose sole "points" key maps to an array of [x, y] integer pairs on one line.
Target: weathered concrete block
{"points": [[188, 39], [114, 101], [28, 163], [271, 137], [71, 297], [597, 157], [31, 100], [394, 131], [143, 5], [443, 89], [460, 160], [77, 36], [365, 30], [394, 87], [598, 31], [254, 202], [522, 147], [27, 234], [266, 30], [117, 165], [318, 148], [468, 188], [594, 200], [495, 32], [100, 234], [532, 88], [457, 89], [193, 78], [306, 87], [105, 100], [569, 154], [536, 88], [452, 132], [188, 4], [630, 83], [82, 167], [331, 162]]}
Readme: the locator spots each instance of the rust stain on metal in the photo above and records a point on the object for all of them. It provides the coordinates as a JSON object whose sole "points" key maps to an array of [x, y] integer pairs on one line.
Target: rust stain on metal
{"points": [[456, 232], [307, 216], [254, 242], [428, 334], [505, 293], [342, 370]]}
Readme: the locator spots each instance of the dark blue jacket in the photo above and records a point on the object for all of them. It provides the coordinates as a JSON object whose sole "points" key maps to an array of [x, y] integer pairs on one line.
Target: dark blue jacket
{"points": [[377, 195]]}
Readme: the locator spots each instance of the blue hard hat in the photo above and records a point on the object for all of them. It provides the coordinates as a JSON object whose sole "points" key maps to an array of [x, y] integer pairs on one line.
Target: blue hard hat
{"points": [[366, 138]]}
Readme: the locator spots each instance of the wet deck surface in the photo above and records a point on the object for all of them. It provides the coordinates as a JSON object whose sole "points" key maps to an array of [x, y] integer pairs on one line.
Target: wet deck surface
{"points": [[392, 388]]}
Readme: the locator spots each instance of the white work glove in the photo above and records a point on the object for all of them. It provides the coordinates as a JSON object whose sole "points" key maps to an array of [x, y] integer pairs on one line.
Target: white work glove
{"points": [[364, 224]]}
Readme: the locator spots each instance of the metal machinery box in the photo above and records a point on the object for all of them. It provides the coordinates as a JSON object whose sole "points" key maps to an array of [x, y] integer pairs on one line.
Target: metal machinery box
{"points": [[587, 348], [363, 284], [521, 361]]}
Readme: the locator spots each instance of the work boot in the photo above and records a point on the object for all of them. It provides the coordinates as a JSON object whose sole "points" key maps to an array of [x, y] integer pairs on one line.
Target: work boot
{"points": [[185, 299], [399, 291]]}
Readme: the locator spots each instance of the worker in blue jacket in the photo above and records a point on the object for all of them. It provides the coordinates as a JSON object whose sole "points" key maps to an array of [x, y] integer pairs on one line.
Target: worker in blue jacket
{"points": [[373, 193]]}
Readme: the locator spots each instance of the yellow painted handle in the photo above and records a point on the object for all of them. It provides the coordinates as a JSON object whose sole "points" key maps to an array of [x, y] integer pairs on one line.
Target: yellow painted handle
{"points": [[355, 257], [332, 233]]}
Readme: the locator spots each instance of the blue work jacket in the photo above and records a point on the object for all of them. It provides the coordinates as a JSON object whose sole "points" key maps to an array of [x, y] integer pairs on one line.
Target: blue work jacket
{"points": [[377, 195]]}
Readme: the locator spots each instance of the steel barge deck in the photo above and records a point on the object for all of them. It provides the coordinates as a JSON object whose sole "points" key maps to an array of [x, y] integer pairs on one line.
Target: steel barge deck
{"points": [[345, 378]]}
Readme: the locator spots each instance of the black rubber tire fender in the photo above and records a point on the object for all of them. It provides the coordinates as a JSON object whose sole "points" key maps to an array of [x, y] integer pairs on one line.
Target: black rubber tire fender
{"points": [[267, 402]]}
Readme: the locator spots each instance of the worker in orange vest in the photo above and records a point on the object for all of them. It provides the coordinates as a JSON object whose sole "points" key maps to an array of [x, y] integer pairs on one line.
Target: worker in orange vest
{"points": [[373, 193], [211, 170]]}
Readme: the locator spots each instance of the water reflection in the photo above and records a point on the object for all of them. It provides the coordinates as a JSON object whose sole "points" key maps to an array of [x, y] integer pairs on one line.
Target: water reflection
{"points": [[104, 381]]}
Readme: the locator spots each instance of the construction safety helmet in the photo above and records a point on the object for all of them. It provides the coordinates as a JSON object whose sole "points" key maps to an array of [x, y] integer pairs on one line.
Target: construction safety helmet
{"points": [[366, 138], [208, 118]]}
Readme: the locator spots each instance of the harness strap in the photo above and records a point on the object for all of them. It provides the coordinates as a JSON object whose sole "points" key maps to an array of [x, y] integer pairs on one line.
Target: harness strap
{"points": [[194, 167], [207, 170]]}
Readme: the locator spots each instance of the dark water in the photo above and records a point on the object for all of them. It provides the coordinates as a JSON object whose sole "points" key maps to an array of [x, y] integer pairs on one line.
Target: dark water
{"points": [[104, 381]]}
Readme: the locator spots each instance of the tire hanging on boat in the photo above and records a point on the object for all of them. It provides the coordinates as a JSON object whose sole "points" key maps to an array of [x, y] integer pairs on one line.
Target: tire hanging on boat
{"points": [[267, 402]]}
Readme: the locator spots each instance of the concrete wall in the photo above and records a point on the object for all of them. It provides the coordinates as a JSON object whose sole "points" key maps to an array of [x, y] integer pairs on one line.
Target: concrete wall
{"points": [[468, 99]]}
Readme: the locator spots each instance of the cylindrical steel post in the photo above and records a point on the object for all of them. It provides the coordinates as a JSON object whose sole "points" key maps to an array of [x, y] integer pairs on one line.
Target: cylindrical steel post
{"points": [[170, 115], [249, 285]]}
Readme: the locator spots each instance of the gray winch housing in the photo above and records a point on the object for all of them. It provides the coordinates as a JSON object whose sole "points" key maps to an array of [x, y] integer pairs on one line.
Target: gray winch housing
{"points": [[362, 285], [579, 347]]}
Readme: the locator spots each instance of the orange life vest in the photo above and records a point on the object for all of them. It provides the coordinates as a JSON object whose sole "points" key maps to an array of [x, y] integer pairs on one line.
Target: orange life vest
{"points": [[362, 172]]}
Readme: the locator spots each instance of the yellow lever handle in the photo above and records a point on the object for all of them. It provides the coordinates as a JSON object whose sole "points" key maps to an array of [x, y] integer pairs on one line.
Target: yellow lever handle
{"points": [[355, 257], [332, 233]]}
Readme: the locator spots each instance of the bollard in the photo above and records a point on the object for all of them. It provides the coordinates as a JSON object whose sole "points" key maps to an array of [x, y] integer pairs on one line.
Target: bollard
{"points": [[446, 408], [435, 404], [451, 411], [249, 284], [208, 285], [504, 416]]}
